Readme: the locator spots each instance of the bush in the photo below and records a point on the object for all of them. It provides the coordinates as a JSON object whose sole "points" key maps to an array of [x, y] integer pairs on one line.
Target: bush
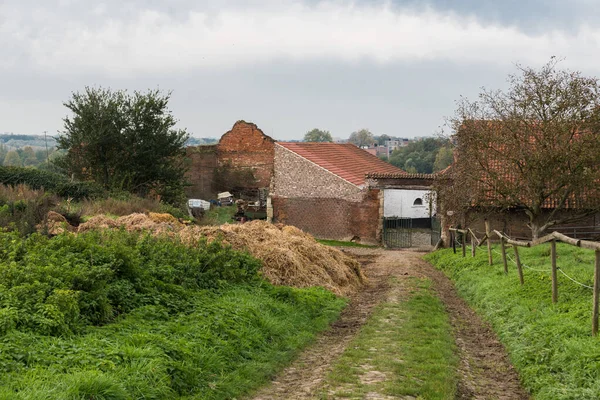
{"points": [[23, 209], [49, 181], [58, 285]]}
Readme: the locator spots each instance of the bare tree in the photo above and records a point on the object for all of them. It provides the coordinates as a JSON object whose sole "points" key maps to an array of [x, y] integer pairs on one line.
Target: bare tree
{"points": [[533, 148]]}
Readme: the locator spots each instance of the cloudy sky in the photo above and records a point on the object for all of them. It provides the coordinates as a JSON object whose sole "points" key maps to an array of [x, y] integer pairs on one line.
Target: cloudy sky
{"points": [[394, 67]]}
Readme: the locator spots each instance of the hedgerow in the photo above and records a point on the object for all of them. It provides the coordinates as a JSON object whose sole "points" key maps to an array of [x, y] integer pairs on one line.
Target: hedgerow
{"points": [[49, 181]]}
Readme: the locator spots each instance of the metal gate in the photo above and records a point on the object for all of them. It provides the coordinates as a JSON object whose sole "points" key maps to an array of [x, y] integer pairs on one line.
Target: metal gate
{"points": [[397, 232]]}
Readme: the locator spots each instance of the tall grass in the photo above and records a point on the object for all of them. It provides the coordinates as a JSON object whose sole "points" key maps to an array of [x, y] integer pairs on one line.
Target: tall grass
{"points": [[550, 344], [117, 315]]}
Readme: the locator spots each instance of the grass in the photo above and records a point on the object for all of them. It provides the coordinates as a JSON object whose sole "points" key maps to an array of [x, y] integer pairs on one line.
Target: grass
{"points": [[406, 348], [116, 315], [219, 215], [550, 344], [339, 243]]}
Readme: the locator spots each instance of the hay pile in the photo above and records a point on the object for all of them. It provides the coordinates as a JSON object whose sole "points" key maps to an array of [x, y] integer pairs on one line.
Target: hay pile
{"points": [[290, 257]]}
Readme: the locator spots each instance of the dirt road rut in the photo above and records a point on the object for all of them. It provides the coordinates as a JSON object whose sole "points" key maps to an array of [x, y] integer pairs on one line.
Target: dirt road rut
{"points": [[484, 370]]}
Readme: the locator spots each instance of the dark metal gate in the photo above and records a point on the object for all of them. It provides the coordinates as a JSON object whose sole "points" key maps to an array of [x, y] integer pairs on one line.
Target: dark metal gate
{"points": [[397, 232]]}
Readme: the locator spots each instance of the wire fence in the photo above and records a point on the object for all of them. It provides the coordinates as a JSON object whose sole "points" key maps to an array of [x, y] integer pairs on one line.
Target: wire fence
{"points": [[459, 236]]}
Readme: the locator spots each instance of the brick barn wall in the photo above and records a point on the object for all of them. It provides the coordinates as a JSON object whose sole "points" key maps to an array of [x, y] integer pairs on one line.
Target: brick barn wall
{"points": [[246, 147], [201, 168], [296, 177]]}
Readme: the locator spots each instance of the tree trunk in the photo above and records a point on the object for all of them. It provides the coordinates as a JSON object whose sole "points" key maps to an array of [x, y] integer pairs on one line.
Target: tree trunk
{"points": [[536, 230]]}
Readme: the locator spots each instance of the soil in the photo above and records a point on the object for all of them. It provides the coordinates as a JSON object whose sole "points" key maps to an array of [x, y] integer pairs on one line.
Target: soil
{"points": [[484, 369]]}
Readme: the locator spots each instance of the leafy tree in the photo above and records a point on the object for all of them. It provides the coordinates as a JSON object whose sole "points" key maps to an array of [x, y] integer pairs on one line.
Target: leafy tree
{"points": [[124, 142], [12, 159], [443, 159], [419, 155], [362, 138], [317, 135], [382, 139], [28, 156], [534, 147], [3, 153]]}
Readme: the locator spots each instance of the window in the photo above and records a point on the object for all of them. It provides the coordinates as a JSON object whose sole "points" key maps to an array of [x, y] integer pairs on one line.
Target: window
{"points": [[418, 202]]}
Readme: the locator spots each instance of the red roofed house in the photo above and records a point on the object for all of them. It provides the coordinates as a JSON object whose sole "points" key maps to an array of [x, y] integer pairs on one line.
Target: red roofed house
{"points": [[322, 189]]}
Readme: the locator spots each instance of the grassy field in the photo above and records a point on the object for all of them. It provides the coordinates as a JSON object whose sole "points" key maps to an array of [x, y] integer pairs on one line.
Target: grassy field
{"points": [[406, 348], [126, 316], [550, 344]]}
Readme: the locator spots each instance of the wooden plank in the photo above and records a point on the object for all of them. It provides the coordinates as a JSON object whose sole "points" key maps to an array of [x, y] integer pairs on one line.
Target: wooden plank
{"points": [[586, 244], [512, 241], [518, 261], [554, 275], [503, 247], [596, 290], [463, 231], [483, 240], [543, 239], [489, 242]]}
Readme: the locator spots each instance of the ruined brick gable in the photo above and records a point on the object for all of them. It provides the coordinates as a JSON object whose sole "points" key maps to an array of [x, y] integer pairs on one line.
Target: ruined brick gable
{"points": [[246, 147]]}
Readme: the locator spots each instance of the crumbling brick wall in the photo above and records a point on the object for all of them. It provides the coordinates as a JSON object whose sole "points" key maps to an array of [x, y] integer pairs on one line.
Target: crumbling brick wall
{"points": [[202, 162], [246, 148]]}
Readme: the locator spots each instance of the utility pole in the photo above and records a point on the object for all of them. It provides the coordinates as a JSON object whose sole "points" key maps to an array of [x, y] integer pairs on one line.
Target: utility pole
{"points": [[47, 153]]}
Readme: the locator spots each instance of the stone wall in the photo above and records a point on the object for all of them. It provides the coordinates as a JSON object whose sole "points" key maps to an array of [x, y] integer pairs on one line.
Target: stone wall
{"points": [[295, 176]]}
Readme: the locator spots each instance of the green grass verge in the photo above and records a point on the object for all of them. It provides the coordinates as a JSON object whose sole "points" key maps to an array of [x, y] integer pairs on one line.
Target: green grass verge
{"points": [[406, 348], [550, 344], [339, 243], [118, 315], [219, 215]]}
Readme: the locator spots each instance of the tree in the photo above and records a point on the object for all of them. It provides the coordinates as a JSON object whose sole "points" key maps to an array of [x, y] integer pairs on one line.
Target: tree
{"points": [[317, 135], [12, 159], [382, 139], [125, 142], [28, 156], [362, 138], [533, 148], [419, 156], [443, 159]]}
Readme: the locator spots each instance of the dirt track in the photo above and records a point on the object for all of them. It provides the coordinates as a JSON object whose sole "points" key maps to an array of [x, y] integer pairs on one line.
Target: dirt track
{"points": [[484, 370]]}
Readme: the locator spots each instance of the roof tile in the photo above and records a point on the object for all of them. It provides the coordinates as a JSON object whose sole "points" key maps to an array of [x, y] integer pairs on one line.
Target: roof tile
{"points": [[342, 159]]}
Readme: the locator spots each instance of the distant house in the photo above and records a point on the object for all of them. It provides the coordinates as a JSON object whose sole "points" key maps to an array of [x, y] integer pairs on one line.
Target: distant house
{"points": [[321, 188]]}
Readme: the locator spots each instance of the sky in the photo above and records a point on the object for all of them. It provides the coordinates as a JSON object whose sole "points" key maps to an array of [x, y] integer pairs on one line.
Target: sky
{"points": [[393, 67]]}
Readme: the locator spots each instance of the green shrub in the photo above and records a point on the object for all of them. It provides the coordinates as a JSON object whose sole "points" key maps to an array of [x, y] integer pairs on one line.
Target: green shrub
{"points": [[50, 181], [59, 285]]}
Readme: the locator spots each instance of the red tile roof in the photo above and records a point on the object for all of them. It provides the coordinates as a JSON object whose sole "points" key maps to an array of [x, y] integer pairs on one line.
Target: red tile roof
{"points": [[342, 159]]}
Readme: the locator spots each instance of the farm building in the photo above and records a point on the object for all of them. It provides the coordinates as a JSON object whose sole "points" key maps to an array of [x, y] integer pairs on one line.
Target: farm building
{"points": [[338, 191], [330, 190]]}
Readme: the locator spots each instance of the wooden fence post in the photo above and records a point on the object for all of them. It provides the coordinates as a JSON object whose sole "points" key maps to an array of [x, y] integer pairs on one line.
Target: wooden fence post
{"points": [[453, 240], [489, 242], [473, 244], [554, 277], [464, 244], [596, 290], [503, 246], [518, 261]]}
